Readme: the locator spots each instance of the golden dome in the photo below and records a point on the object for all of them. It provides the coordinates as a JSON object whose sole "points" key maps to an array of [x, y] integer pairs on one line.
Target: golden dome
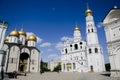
{"points": [[76, 29], [32, 38], [14, 33], [88, 12], [7, 38], [22, 32]]}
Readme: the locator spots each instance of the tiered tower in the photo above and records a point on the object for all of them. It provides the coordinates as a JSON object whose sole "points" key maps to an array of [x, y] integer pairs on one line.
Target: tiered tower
{"points": [[94, 50]]}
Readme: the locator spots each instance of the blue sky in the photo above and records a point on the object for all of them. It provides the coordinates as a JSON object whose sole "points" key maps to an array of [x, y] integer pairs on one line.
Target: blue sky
{"points": [[53, 20]]}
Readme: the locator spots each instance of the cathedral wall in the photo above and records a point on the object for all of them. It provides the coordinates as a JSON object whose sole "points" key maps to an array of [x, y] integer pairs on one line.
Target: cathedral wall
{"points": [[34, 65], [13, 59]]}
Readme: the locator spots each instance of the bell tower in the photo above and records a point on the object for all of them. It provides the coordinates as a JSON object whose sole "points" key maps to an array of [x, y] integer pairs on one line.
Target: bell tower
{"points": [[94, 49]]}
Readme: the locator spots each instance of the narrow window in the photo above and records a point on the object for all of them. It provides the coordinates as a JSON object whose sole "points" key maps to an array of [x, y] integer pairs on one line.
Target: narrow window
{"points": [[74, 66], [81, 63], [81, 47], [88, 30], [92, 30], [76, 46], [70, 45], [90, 51], [65, 50], [96, 50]]}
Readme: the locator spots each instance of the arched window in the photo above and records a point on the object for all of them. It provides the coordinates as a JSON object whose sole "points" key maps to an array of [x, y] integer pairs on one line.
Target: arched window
{"points": [[76, 46], [71, 45], [74, 66], [88, 30], [92, 30], [65, 50], [80, 43], [96, 50], [90, 51]]}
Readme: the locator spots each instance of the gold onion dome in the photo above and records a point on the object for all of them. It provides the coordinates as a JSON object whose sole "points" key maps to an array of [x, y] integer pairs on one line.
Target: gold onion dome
{"points": [[14, 33], [7, 38], [22, 32], [76, 28], [88, 12], [32, 38]]}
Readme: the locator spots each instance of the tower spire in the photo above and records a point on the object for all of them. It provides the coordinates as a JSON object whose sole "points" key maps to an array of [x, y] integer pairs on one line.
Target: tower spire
{"points": [[88, 11], [87, 5]]}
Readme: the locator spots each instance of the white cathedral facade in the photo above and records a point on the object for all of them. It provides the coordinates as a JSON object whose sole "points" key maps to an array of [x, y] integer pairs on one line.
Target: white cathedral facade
{"points": [[112, 30], [80, 55], [21, 52]]}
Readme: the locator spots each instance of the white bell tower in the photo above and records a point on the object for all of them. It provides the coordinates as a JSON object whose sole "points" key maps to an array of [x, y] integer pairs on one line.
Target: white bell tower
{"points": [[94, 50], [91, 30]]}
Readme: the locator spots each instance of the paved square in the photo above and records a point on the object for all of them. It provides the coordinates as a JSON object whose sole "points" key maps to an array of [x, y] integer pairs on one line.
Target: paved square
{"points": [[64, 76]]}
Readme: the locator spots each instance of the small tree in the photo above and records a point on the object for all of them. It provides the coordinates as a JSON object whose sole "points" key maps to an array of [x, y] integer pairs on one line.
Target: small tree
{"points": [[57, 68], [43, 67]]}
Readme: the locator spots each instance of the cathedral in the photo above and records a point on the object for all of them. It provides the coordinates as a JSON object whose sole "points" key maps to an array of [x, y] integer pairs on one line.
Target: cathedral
{"points": [[112, 31], [80, 55], [21, 52]]}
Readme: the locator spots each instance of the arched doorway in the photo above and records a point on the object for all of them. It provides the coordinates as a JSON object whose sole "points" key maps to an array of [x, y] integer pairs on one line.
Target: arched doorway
{"points": [[23, 62], [68, 66], [91, 68]]}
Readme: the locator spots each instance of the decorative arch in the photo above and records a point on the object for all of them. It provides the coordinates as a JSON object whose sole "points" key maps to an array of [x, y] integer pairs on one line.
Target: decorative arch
{"points": [[25, 50], [24, 62]]}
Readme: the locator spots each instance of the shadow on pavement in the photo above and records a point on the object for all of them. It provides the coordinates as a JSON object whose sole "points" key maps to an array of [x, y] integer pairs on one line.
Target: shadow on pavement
{"points": [[106, 74]]}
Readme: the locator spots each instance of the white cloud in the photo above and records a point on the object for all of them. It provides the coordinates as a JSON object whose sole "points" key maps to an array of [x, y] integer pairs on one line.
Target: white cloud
{"points": [[100, 24], [59, 45], [46, 44], [39, 40], [64, 38], [53, 57]]}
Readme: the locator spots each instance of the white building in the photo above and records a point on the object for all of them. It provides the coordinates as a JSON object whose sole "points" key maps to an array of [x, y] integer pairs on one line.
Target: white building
{"points": [[79, 55], [21, 52], [112, 30], [3, 28], [53, 64]]}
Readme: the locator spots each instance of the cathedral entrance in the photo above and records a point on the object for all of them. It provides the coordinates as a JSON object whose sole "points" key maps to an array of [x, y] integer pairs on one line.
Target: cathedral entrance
{"points": [[23, 62], [68, 66]]}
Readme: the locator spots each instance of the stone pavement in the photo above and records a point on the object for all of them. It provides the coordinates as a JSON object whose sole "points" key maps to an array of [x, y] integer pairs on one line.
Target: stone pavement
{"points": [[65, 76]]}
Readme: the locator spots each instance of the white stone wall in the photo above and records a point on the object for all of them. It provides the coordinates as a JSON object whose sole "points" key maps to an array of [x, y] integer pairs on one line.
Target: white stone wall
{"points": [[34, 65], [13, 59], [112, 31], [31, 44], [22, 39], [13, 39]]}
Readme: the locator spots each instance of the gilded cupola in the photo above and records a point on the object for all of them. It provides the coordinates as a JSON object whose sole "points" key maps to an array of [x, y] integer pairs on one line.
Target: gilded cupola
{"points": [[14, 33], [32, 38], [22, 32]]}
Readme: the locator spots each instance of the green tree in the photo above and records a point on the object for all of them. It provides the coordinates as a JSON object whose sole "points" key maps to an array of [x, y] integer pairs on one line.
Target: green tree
{"points": [[43, 67], [58, 67]]}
